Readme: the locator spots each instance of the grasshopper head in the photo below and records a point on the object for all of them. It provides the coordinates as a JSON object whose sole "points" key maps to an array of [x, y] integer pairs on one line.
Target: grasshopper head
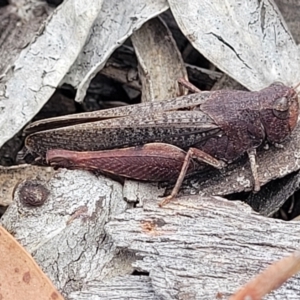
{"points": [[279, 111]]}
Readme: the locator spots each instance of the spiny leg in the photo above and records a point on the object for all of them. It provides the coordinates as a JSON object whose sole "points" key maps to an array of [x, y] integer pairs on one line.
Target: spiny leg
{"points": [[193, 153]]}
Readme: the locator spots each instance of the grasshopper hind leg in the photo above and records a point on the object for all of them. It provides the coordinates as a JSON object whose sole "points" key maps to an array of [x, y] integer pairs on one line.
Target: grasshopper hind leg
{"points": [[150, 162], [199, 155]]}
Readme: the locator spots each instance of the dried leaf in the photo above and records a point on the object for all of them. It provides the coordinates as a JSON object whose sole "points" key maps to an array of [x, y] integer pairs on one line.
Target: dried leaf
{"points": [[14, 37], [20, 276], [43, 64], [270, 279], [50, 56], [248, 40], [107, 34]]}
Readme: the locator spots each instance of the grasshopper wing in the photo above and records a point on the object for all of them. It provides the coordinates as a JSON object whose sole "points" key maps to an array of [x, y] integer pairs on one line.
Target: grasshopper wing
{"points": [[183, 102], [180, 128]]}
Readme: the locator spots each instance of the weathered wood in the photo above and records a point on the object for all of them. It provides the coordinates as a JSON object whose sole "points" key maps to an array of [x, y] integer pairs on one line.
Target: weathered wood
{"points": [[274, 194], [195, 247], [127, 287], [198, 247]]}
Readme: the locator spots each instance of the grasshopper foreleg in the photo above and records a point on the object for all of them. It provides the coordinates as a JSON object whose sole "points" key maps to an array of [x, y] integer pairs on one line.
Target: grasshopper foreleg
{"points": [[253, 165]]}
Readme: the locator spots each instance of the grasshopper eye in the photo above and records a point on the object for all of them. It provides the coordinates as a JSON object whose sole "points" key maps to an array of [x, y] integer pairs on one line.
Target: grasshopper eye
{"points": [[277, 83], [281, 108]]}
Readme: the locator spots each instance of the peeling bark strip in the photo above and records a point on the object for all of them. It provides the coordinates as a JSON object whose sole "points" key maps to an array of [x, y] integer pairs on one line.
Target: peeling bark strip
{"points": [[160, 62], [213, 127]]}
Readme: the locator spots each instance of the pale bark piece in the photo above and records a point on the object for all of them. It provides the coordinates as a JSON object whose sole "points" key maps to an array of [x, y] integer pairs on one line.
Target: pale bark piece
{"points": [[20, 276], [160, 62], [127, 287], [65, 235], [67, 239], [10, 177], [201, 247], [115, 23], [248, 40], [42, 64]]}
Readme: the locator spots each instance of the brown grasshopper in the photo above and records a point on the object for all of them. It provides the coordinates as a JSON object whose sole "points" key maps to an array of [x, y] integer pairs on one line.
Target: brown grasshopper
{"points": [[164, 141]]}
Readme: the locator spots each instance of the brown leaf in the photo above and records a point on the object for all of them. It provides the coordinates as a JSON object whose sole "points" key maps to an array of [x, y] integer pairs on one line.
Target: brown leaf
{"points": [[270, 279], [20, 276]]}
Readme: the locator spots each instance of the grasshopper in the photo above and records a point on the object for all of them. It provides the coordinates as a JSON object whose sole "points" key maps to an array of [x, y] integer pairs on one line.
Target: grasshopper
{"points": [[165, 141]]}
